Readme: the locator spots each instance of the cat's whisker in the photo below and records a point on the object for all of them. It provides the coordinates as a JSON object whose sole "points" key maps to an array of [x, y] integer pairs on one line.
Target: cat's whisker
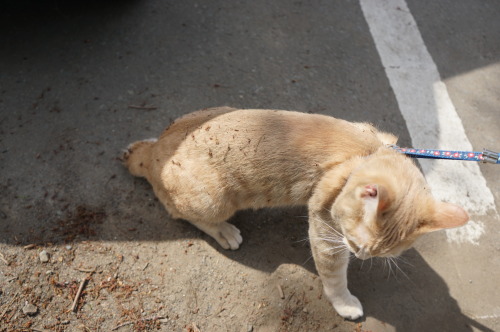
{"points": [[338, 250], [404, 260], [330, 240], [332, 232], [330, 226], [341, 245], [388, 264], [337, 232], [303, 240], [394, 260], [307, 260], [333, 251], [331, 236], [393, 264]]}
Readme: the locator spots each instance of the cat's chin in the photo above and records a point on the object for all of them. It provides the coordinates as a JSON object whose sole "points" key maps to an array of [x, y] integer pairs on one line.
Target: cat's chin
{"points": [[363, 256]]}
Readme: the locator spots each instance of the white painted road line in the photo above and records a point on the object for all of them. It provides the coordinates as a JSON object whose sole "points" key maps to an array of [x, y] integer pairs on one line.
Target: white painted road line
{"points": [[429, 113]]}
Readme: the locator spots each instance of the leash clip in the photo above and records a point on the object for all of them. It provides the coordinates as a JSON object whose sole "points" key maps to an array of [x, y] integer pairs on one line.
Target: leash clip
{"points": [[491, 157]]}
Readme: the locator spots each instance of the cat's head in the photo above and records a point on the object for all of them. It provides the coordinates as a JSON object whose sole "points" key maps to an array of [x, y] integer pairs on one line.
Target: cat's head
{"points": [[386, 205]]}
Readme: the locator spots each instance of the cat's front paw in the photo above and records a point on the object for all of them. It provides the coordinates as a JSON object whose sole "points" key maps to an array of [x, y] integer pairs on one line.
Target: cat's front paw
{"points": [[348, 306]]}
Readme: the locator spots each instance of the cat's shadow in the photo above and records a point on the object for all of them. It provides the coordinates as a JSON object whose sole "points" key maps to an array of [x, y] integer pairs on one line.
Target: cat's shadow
{"points": [[409, 297]]}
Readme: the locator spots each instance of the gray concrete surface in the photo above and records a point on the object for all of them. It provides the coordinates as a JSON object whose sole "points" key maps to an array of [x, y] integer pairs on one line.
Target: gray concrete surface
{"points": [[69, 75]]}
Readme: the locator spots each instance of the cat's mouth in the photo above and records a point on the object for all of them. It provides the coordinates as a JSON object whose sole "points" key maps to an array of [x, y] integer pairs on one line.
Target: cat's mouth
{"points": [[359, 252], [362, 254]]}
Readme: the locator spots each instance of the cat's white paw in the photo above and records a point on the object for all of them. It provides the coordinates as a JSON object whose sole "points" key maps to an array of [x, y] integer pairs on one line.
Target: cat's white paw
{"points": [[348, 306], [228, 236]]}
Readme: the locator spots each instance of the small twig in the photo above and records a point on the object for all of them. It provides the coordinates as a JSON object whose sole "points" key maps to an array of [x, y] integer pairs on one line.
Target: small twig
{"points": [[138, 320], [7, 306], [145, 266], [289, 297], [258, 143], [2, 257], [149, 108], [30, 246], [221, 310], [122, 325], [195, 328], [85, 270], [9, 317], [280, 290], [78, 294]]}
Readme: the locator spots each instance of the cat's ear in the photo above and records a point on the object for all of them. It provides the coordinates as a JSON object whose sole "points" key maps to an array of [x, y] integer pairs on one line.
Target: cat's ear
{"points": [[447, 215], [375, 198]]}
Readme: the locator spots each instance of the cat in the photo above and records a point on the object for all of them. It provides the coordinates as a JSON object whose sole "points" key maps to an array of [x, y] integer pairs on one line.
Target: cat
{"points": [[363, 197]]}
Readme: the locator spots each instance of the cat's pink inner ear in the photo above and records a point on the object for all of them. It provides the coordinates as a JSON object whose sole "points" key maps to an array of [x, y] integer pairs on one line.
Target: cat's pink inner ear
{"points": [[448, 215], [370, 190], [376, 192]]}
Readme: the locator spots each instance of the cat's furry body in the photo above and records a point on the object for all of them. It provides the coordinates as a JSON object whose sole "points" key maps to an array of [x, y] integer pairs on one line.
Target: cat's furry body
{"points": [[362, 197]]}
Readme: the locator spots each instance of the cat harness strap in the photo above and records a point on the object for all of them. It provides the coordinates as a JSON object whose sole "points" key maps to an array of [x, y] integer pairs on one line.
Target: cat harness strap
{"points": [[486, 156]]}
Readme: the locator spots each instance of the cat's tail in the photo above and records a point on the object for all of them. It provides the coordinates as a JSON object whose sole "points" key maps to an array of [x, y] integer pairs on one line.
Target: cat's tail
{"points": [[137, 157]]}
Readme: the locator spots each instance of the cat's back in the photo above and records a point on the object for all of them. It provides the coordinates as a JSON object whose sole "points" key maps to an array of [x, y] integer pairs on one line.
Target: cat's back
{"points": [[274, 123], [266, 134], [233, 118]]}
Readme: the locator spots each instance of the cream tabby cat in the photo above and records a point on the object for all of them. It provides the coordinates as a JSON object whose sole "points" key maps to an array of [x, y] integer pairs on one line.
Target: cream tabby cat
{"points": [[361, 195]]}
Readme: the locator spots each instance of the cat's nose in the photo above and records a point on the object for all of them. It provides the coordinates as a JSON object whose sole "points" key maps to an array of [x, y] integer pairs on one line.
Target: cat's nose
{"points": [[363, 254]]}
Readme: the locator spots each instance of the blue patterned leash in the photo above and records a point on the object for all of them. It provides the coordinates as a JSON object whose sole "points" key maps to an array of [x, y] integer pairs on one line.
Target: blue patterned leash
{"points": [[486, 156]]}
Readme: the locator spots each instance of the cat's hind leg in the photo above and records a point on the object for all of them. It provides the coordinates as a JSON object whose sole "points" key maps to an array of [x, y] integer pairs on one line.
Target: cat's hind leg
{"points": [[211, 219], [226, 234]]}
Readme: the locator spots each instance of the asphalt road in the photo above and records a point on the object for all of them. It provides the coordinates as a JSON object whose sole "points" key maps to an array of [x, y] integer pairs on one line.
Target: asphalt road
{"points": [[79, 82]]}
